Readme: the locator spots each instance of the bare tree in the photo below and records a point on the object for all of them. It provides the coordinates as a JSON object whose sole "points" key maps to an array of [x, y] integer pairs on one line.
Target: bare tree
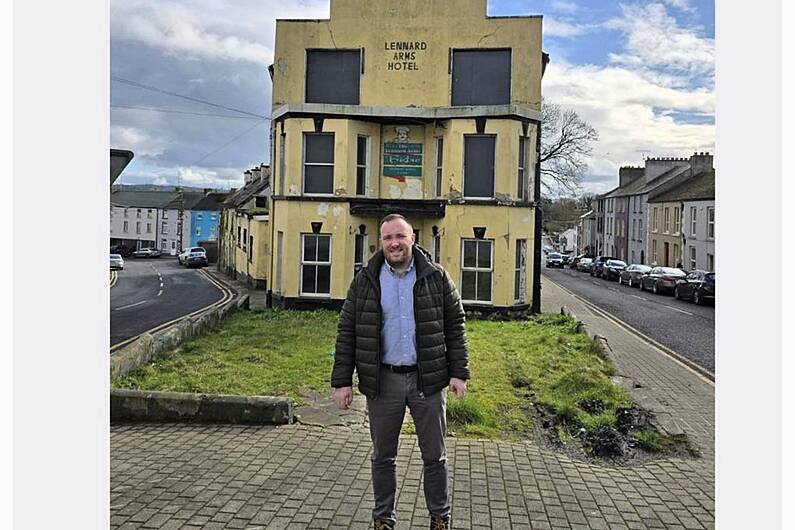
{"points": [[565, 145]]}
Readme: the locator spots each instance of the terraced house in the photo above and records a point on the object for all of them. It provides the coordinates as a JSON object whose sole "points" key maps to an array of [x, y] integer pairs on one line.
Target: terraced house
{"points": [[428, 109]]}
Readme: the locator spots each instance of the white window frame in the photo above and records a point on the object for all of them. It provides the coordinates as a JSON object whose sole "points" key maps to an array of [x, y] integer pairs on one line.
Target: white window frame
{"points": [[282, 161], [314, 264], [693, 262], [137, 227], [710, 222], [710, 262], [667, 220], [280, 260], [126, 227], [149, 213], [676, 219], [366, 166], [199, 216], [477, 269], [438, 164], [148, 228], [654, 219], [522, 182], [640, 230], [693, 218], [163, 227], [198, 231], [520, 272], [304, 163]]}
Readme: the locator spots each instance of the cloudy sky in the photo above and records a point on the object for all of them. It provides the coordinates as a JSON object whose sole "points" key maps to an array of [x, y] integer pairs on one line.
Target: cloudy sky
{"points": [[641, 72]]}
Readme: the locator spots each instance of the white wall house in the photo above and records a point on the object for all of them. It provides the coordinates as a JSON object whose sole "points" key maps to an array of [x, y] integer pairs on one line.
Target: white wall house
{"points": [[698, 223]]}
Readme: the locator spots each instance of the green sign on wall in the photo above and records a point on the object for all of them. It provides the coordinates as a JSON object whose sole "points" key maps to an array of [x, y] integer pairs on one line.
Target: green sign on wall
{"points": [[402, 159]]}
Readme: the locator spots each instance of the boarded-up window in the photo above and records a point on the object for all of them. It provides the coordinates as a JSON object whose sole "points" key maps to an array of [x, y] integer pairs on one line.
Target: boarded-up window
{"points": [[481, 77], [332, 76], [479, 166], [318, 163]]}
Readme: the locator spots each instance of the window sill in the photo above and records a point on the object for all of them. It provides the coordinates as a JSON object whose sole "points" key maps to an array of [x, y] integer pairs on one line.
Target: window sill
{"points": [[315, 296]]}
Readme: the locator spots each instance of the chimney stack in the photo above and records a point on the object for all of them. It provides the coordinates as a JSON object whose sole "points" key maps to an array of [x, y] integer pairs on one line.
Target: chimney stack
{"points": [[700, 162], [629, 174]]}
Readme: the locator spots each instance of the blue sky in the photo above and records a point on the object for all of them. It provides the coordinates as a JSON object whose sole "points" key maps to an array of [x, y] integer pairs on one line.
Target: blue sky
{"points": [[641, 72]]}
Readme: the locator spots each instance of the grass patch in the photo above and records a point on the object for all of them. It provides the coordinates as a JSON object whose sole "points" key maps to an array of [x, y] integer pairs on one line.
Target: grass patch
{"points": [[515, 365], [655, 442], [270, 353]]}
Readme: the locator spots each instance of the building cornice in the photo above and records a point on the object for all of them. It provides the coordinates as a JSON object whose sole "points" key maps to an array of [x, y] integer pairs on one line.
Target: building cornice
{"points": [[512, 111]]}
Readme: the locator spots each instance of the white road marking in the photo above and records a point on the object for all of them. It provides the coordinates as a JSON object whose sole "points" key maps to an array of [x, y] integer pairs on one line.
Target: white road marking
{"points": [[159, 292], [677, 309], [161, 285], [131, 305], [638, 297], [595, 282]]}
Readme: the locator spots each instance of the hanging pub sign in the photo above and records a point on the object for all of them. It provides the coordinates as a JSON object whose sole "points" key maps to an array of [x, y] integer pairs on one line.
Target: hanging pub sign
{"points": [[402, 158]]}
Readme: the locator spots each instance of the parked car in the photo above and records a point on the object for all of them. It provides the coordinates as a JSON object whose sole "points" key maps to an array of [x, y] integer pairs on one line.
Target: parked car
{"points": [[146, 253], [612, 269], [196, 257], [116, 262], [573, 260], [122, 250], [698, 286], [598, 263], [554, 259], [585, 264], [182, 257], [661, 279], [632, 274]]}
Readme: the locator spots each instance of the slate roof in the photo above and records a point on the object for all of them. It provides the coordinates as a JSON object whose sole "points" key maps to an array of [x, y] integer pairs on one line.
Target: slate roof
{"points": [[166, 199], [699, 187], [249, 190]]}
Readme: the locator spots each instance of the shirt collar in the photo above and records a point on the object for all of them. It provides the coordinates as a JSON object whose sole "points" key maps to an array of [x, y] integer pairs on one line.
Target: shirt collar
{"points": [[392, 270]]}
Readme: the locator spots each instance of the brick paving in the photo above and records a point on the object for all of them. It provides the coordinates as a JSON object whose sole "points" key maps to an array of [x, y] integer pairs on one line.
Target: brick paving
{"points": [[306, 476]]}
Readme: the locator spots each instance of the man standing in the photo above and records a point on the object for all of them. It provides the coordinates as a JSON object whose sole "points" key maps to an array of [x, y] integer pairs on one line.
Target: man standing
{"points": [[402, 329]]}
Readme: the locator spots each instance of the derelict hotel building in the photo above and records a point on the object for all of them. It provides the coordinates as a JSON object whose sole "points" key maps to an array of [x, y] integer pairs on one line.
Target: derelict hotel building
{"points": [[428, 109]]}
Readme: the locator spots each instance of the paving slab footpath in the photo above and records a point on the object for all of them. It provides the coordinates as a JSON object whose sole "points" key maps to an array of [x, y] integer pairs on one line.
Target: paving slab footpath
{"points": [[316, 474]]}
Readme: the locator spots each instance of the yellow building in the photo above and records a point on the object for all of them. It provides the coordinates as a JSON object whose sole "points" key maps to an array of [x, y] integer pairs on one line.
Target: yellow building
{"points": [[665, 233], [428, 109], [244, 239]]}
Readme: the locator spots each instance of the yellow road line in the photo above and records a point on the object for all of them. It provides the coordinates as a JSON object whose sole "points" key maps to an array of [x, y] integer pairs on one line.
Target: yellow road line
{"points": [[227, 295]]}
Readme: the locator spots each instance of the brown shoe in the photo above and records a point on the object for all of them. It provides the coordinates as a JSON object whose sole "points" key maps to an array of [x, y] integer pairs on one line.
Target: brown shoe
{"points": [[378, 524], [440, 523]]}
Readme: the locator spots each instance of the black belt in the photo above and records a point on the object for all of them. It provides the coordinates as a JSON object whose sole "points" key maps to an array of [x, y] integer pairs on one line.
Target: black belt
{"points": [[400, 369]]}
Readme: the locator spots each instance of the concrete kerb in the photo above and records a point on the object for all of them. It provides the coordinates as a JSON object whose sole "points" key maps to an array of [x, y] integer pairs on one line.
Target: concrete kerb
{"points": [[660, 417], [152, 346], [139, 405]]}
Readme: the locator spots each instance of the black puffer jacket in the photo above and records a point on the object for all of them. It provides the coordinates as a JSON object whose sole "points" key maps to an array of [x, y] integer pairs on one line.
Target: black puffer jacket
{"points": [[440, 324]]}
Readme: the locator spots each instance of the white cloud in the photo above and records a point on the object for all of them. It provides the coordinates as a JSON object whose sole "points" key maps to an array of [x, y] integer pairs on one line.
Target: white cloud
{"points": [[656, 41], [558, 28], [137, 140], [683, 5], [631, 114], [565, 7], [232, 31]]}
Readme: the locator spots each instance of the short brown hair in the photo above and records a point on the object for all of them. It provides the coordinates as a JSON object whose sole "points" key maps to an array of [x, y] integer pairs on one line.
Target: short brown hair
{"points": [[393, 217]]}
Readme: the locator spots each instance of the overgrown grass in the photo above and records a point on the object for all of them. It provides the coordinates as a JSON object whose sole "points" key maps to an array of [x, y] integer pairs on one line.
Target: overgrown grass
{"points": [[514, 365], [271, 353]]}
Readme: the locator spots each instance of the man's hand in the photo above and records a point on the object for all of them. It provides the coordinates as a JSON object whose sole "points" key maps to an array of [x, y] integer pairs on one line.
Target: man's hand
{"points": [[343, 397], [458, 387]]}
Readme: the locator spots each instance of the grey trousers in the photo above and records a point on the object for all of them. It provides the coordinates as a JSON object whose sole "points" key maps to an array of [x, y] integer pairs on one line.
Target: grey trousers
{"points": [[386, 414]]}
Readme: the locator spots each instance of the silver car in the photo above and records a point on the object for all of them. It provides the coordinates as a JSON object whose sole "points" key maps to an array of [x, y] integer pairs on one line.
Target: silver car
{"points": [[116, 262]]}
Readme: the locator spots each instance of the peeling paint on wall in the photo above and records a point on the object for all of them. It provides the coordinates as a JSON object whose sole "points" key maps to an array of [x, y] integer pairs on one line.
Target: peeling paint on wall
{"points": [[337, 211], [503, 198], [413, 189], [293, 190], [395, 192], [322, 209], [339, 192], [281, 65], [454, 193]]}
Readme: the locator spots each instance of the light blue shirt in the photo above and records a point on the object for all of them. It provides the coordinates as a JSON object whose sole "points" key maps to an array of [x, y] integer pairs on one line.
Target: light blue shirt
{"points": [[398, 329]]}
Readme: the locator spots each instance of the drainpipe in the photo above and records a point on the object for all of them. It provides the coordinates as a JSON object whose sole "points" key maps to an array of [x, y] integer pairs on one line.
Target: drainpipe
{"points": [[536, 306]]}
